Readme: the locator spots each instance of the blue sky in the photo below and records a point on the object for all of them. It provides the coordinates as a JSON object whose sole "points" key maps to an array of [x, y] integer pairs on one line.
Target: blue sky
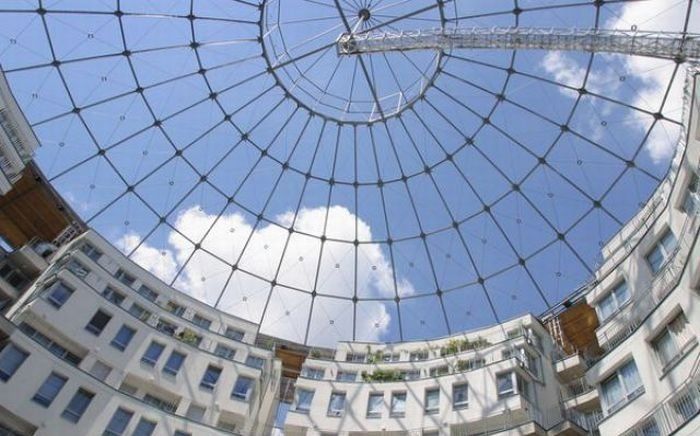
{"points": [[454, 208]]}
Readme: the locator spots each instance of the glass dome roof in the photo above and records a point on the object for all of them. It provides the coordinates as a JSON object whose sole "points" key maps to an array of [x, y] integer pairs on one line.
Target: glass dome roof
{"points": [[225, 146]]}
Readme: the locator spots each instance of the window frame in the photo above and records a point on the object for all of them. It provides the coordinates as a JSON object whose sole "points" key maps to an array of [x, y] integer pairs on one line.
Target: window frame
{"points": [[297, 403], [461, 404], [427, 409], [119, 344], [23, 355], [211, 377], [45, 399], [152, 361], [333, 412], [83, 395], [53, 289], [393, 413], [375, 414], [167, 369]]}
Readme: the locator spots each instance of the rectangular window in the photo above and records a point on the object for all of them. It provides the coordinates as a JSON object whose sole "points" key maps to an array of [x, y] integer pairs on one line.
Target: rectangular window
{"points": [[138, 311], [670, 344], [124, 277], [56, 349], [255, 361], [117, 425], [210, 378], [336, 405], [58, 294], [201, 321], [78, 269], [196, 413], [113, 296], [235, 334], [432, 400], [355, 357], [303, 399], [13, 276], [225, 352], [460, 396], [438, 371], [147, 293], [77, 405], [243, 388], [418, 355], [166, 327], [375, 404], [662, 251], [391, 357], [174, 308], [123, 337], [412, 375], [98, 322], [621, 387], [91, 252], [398, 404], [11, 358], [172, 366], [346, 376], [504, 384], [152, 354], [100, 370], [613, 301], [313, 373], [691, 202], [49, 389], [144, 428], [524, 387]]}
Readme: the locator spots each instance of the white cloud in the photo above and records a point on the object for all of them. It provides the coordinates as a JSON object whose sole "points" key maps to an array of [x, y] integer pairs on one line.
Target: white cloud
{"points": [[271, 252], [654, 74]]}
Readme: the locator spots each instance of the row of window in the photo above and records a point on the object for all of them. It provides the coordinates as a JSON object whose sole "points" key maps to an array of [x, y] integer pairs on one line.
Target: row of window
{"points": [[151, 295], [620, 295], [12, 357], [507, 384]]}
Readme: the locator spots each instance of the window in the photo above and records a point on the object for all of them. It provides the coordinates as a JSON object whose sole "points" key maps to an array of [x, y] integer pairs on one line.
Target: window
{"points": [[123, 337], [98, 322], [58, 294], [391, 357], [210, 377], [13, 276], [471, 364], [124, 277], [91, 252], [201, 321], [128, 389], [303, 399], [649, 428], [225, 352], [346, 376], [398, 404], [686, 405], [118, 423], [144, 428], [524, 387], [235, 334], [418, 355], [160, 403], [147, 293], [139, 312], [355, 357], [255, 361], [460, 396], [661, 252], [174, 308], [77, 405], [621, 387], [243, 388], [113, 296], [166, 327], [504, 384], [613, 301], [336, 405], [432, 400], [313, 373], [49, 389], [375, 404], [181, 433], [691, 202], [152, 354], [670, 344], [100, 370], [172, 366], [438, 371], [11, 358], [78, 268], [412, 374]]}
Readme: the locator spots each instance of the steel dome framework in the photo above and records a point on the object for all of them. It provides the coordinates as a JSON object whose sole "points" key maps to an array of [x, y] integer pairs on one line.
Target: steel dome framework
{"points": [[226, 147]]}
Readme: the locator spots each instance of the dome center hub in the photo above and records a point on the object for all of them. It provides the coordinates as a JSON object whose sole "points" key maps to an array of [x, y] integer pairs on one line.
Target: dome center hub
{"points": [[364, 14]]}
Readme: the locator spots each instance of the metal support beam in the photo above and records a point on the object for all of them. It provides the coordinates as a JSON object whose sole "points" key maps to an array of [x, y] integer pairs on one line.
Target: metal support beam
{"points": [[664, 45]]}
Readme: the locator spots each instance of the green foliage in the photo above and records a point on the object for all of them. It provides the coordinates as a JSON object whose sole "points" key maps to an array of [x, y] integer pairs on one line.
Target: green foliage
{"points": [[382, 376], [189, 337]]}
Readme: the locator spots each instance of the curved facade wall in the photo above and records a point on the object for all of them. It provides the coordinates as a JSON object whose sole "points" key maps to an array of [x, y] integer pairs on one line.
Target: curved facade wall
{"points": [[96, 345]]}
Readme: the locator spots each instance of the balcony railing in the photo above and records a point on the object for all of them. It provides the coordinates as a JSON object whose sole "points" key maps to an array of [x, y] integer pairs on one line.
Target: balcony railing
{"points": [[576, 388]]}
